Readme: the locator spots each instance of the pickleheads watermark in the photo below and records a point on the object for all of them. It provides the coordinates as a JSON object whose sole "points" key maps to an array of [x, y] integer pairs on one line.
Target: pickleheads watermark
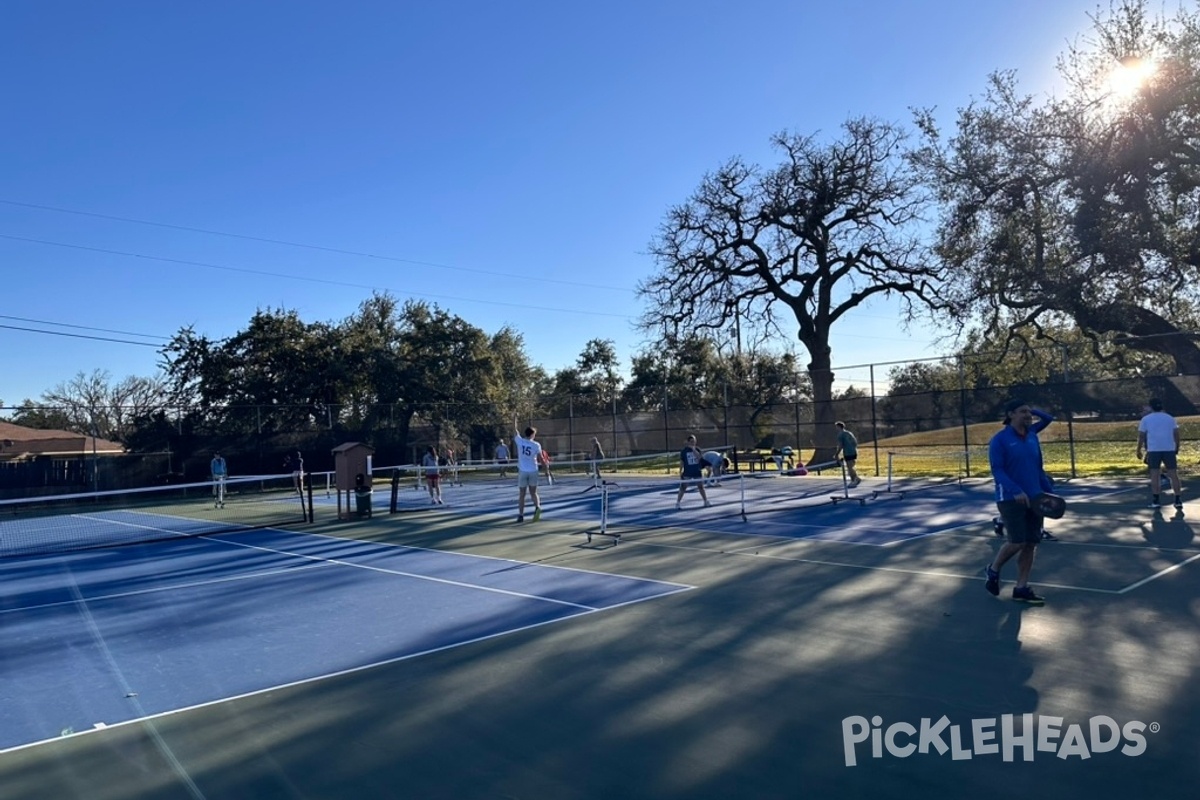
{"points": [[994, 736]]}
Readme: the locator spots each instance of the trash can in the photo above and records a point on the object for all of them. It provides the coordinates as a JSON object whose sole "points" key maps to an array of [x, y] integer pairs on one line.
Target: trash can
{"points": [[362, 496], [362, 502]]}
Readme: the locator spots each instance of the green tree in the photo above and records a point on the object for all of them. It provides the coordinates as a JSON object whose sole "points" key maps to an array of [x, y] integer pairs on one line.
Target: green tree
{"points": [[278, 374], [1080, 210]]}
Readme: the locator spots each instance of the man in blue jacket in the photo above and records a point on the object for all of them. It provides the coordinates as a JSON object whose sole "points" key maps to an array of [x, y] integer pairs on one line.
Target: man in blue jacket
{"points": [[1015, 456]]}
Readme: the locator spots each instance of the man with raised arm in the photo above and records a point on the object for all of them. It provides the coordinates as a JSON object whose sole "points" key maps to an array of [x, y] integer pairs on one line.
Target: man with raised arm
{"points": [[529, 455], [1015, 457]]}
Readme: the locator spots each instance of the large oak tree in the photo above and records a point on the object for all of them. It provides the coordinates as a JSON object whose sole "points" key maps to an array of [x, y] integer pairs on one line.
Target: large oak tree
{"points": [[797, 246]]}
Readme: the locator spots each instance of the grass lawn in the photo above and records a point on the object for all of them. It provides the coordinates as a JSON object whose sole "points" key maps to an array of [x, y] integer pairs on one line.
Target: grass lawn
{"points": [[1081, 449]]}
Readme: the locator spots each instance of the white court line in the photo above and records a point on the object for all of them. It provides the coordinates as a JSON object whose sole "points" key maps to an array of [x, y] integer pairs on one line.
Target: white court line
{"points": [[172, 587], [313, 679], [584, 611], [1158, 575], [353, 542]]}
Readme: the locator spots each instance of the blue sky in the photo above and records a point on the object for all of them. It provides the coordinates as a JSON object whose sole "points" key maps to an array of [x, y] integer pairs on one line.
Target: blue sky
{"points": [[509, 161]]}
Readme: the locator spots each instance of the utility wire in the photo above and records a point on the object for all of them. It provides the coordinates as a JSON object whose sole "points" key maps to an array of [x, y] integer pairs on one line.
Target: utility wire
{"points": [[320, 248], [82, 327], [284, 276], [79, 335]]}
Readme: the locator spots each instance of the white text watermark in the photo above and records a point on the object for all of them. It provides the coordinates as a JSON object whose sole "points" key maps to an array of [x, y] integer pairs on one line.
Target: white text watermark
{"points": [[1001, 736]]}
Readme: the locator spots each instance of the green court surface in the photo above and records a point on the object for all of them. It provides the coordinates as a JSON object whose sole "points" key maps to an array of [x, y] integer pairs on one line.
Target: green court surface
{"points": [[796, 668]]}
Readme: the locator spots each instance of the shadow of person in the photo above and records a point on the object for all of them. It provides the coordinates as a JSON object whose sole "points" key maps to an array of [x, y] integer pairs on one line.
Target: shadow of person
{"points": [[1173, 533]]}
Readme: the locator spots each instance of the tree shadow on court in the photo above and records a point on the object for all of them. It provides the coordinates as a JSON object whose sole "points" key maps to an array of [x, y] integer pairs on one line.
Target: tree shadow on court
{"points": [[738, 688]]}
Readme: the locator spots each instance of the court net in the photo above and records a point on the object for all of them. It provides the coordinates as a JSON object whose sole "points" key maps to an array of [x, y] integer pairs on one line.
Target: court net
{"points": [[63, 523], [650, 502], [490, 486]]}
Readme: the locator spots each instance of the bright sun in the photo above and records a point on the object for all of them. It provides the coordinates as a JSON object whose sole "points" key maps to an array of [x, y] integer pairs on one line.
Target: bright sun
{"points": [[1129, 76]]}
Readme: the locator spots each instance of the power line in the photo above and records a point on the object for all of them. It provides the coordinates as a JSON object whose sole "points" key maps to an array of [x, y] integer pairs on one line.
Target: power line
{"points": [[78, 335], [82, 327], [326, 281], [301, 245]]}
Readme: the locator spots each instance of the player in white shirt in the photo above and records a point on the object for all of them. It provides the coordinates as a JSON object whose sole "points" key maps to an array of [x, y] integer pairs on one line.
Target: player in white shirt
{"points": [[529, 456], [1158, 437]]}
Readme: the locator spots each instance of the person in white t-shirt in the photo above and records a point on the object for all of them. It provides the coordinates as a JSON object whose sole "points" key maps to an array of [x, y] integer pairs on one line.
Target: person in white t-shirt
{"points": [[1158, 438], [529, 456]]}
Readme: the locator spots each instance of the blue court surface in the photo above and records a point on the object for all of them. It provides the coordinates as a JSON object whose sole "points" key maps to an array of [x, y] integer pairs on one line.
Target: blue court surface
{"points": [[99, 638]]}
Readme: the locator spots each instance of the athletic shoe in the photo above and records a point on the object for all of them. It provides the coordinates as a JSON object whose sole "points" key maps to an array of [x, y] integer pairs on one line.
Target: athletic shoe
{"points": [[1025, 594], [677, 508], [707, 504], [998, 526], [537, 513], [1178, 503], [1154, 504], [993, 581], [520, 518], [1047, 536], [856, 482]]}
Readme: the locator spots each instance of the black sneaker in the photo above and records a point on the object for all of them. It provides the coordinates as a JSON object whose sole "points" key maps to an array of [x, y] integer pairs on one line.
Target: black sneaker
{"points": [[1025, 594], [993, 581], [1047, 536], [1178, 502], [520, 518], [997, 526]]}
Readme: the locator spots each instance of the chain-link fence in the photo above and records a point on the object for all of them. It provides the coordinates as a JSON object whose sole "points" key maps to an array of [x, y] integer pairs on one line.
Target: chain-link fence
{"points": [[1095, 433]]}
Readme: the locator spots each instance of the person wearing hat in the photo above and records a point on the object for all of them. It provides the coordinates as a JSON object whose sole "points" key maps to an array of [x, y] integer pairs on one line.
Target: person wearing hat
{"points": [[1158, 437], [1015, 457]]}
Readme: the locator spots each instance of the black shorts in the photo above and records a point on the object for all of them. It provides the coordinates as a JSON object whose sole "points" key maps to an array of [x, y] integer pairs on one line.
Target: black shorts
{"points": [[1021, 524], [1161, 458]]}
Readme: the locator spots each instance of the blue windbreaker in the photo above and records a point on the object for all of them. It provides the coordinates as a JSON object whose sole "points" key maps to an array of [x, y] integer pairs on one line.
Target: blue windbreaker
{"points": [[1016, 461]]}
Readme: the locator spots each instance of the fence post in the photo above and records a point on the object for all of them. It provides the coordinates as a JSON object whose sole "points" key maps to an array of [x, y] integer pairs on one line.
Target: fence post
{"points": [[614, 427], [725, 409], [666, 421], [1067, 411], [962, 410], [874, 423]]}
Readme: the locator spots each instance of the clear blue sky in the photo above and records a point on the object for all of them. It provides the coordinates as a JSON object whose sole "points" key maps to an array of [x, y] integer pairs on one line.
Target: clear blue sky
{"points": [[508, 161]]}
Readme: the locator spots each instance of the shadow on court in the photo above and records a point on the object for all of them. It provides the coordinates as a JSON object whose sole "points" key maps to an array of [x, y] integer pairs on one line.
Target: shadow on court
{"points": [[740, 688]]}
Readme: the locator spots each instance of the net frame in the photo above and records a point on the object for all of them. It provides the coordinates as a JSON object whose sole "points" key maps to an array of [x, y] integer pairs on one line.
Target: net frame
{"points": [[78, 521]]}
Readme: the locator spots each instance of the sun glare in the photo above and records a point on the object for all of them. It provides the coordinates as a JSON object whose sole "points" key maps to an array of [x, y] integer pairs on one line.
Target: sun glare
{"points": [[1129, 76]]}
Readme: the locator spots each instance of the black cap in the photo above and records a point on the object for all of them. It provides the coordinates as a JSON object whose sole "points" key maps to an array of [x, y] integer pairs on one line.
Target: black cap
{"points": [[1155, 404], [1011, 406]]}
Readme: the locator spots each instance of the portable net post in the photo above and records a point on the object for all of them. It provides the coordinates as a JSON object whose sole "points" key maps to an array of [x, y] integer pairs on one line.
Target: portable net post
{"points": [[394, 503]]}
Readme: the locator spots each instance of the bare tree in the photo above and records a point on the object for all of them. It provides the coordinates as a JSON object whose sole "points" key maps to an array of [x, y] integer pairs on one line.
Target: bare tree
{"points": [[92, 403], [809, 240]]}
